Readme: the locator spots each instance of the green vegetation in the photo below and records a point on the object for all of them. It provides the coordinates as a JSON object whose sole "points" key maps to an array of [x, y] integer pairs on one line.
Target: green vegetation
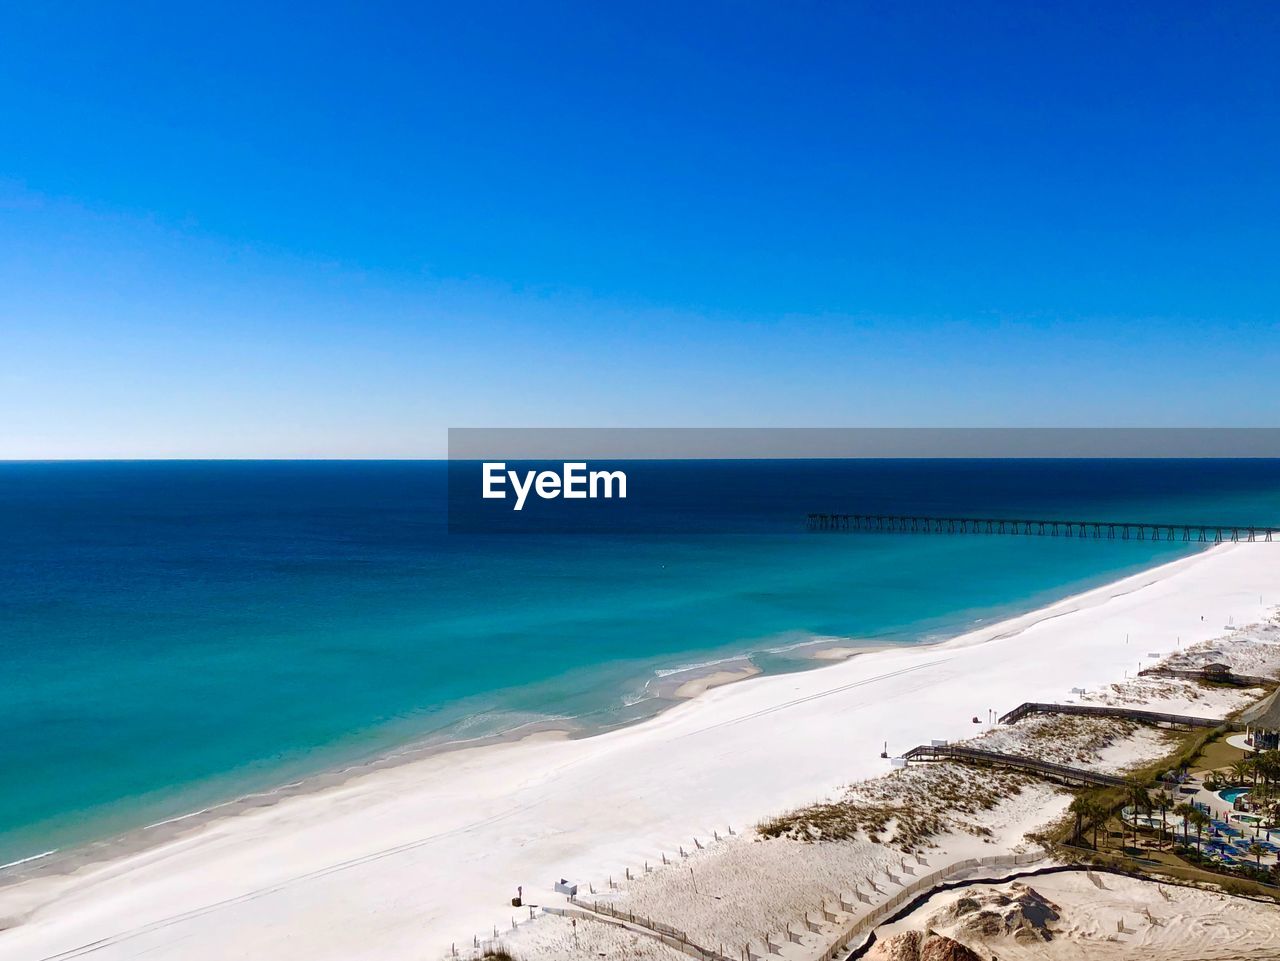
{"points": [[905, 811], [1176, 845]]}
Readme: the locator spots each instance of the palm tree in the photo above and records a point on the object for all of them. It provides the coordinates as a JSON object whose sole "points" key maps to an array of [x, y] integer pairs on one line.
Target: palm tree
{"points": [[1269, 767], [1187, 812], [1240, 771], [1257, 850], [1201, 821], [1268, 821], [1082, 808], [1137, 797], [1162, 802]]}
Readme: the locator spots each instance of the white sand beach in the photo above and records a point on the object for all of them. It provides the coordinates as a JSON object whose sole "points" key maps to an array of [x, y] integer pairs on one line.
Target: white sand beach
{"points": [[404, 861]]}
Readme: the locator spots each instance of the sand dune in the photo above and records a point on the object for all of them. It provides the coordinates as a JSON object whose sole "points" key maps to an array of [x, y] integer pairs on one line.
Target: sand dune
{"points": [[1086, 916]]}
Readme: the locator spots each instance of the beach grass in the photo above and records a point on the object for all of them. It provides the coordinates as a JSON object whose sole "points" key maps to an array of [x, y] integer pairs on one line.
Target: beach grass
{"points": [[903, 811]]}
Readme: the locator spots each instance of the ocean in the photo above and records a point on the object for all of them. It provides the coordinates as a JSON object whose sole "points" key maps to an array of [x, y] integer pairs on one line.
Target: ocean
{"points": [[176, 634]]}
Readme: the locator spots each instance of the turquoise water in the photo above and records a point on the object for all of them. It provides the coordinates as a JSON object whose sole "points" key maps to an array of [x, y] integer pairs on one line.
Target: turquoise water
{"points": [[1231, 794], [177, 634]]}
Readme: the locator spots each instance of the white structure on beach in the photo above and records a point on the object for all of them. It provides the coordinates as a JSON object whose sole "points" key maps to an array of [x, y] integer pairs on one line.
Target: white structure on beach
{"points": [[1263, 723]]}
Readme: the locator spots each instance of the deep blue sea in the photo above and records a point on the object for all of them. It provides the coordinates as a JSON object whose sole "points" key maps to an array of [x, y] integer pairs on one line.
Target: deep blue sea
{"points": [[175, 634]]}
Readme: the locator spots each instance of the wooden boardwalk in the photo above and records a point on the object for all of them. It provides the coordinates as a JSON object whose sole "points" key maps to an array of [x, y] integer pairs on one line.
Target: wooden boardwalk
{"points": [[1215, 677], [1058, 772], [1123, 713], [1107, 530]]}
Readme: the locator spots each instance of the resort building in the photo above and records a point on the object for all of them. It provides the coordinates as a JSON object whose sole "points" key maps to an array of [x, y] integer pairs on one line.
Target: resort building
{"points": [[1263, 723]]}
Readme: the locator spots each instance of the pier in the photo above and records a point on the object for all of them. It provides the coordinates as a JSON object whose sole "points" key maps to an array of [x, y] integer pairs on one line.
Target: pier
{"points": [[1020, 527]]}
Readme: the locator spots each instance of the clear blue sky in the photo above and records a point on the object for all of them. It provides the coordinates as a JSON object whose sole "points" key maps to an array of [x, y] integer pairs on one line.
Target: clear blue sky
{"points": [[285, 230]]}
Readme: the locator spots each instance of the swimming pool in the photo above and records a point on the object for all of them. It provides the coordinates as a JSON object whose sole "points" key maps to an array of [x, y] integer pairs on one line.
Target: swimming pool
{"points": [[1231, 793]]}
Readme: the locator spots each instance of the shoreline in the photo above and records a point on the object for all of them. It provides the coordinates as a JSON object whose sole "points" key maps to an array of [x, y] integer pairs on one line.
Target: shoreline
{"points": [[707, 761], [670, 689]]}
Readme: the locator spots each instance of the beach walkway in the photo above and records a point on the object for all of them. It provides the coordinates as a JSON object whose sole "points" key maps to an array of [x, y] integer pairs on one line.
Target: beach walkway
{"points": [[1124, 713], [1060, 772]]}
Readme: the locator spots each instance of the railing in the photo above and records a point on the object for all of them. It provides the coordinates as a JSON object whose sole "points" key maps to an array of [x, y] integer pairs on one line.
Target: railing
{"points": [[861, 927], [607, 914], [1097, 710], [1060, 771], [1200, 674], [604, 907]]}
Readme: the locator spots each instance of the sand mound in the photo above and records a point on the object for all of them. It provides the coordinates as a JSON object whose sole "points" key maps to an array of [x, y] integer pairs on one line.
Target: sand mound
{"points": [[913, 946], [1019, 912], [1089, 916], [938, 948], [900, 947]]}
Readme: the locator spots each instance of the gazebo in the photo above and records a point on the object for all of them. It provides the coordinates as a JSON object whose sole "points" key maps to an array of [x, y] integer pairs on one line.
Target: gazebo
{"points": [[1262, 722]]}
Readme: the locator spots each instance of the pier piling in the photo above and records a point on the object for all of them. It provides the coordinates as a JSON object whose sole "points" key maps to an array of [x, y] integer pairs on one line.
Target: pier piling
{"points": [[1096, 530]]}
